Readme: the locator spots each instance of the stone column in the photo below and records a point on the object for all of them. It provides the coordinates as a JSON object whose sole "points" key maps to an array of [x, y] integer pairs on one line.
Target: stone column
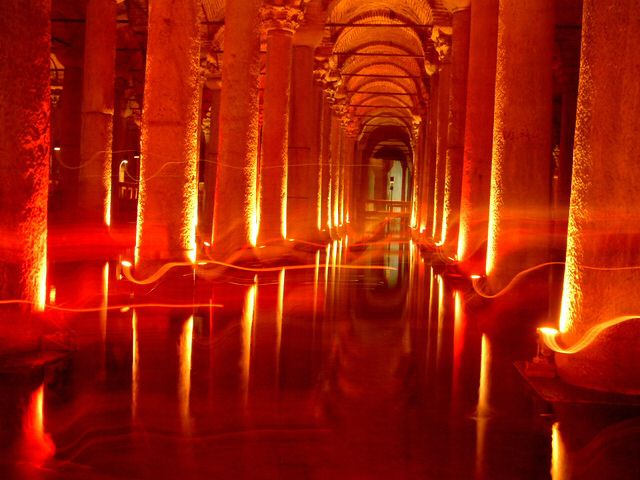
{"points": [[335, 146], [428, 183], [205, 224], [601, 275], [304, 169], [25, 36], [167, 203], [325, 158], [478, 135], [98, 92], [455, 134], [235, 207], [444, 77], [520, 175], [280, 22]]}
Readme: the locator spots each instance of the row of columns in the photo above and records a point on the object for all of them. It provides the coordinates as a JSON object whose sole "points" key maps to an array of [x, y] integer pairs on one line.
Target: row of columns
{"points": [[505, 197]]}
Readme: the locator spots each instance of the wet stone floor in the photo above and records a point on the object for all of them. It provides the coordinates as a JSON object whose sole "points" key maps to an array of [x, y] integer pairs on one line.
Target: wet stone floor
{"points": [[316, 373]]}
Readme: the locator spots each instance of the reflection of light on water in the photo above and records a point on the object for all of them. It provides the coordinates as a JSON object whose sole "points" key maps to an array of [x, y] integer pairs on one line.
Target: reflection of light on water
{"points": [[248, 317], [104, 311], [441, 311], [37, 445], [184, 371], [458, 337], [135, 378], [483, 409], [558, 455], [279, 314]]}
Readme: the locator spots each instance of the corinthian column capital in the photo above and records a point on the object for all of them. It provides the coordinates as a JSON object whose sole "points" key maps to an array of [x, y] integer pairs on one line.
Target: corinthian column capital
{"points": [[281, 17], [441, 38]]}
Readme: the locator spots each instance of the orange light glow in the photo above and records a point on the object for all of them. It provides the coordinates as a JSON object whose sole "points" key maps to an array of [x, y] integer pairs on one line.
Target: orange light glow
{"points": [[279, 317], [185, 349], [559, 464], [550, 336], [37, 445], [135, 361], [248, 318], [483, 409]]}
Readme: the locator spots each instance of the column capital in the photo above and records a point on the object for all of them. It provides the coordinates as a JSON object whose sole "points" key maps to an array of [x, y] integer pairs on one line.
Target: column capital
{"points": [[281, 17], [441, 38], [456, 5], [211, 72]]}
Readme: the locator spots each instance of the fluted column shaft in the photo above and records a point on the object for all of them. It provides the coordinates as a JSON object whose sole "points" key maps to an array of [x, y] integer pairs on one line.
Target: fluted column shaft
{"points": [[167, 203], [235, 208], [478, 135], [280, 23], [25, 35], [98, 94], [518, 231], [601, 275]]}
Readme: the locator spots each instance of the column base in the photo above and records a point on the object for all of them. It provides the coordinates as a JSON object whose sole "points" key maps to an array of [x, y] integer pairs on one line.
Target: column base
{"points": [[610, 364]]}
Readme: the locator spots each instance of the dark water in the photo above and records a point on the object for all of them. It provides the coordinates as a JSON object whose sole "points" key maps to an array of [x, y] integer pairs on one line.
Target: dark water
{"points": [[322, 373]]}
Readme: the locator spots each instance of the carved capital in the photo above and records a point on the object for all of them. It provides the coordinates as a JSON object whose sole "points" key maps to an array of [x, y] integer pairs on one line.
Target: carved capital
{"points": [[281, 17], [456, 5], [205, 125], [441, 38], [211, 72]]}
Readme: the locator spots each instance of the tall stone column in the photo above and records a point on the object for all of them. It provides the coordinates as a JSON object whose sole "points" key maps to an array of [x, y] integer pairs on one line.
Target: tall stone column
{"points": [[478, 134], [520, 175], [235, 208], [98, 93], [601, 275], [325, 158], [444, 81], [428, 183], [304, 179], [280, 22], [455, 134], [25, 36], [167, 203], [334, 171], [211, 158]]}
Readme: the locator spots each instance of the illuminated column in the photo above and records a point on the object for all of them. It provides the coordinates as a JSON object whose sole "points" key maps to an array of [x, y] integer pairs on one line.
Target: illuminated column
{"points": [[235, 207], [98, 92], [520, 173], [69, 154], [280, 22], [325, 158], [442, 42], [350, 142], [601, 276], [427, 187], [455, 134], [304, 178], [25, 108], [335, 146], [478, 134], [205, 224], [167, 204]]}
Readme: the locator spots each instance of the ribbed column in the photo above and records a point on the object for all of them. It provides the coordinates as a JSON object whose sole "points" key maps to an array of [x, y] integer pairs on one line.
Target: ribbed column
{"points": [[25, 37], [478, 135], [304, 176], [167, 204], [455, 133], [520, 175], [602, 271], [235, 208], [98, 93], [280, 22]]}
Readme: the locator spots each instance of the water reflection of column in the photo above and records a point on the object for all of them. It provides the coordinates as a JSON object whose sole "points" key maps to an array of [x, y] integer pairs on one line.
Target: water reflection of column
{"points": [[483, 410], [247, 324], [185, 351], [37, 445], [135, 366], [103, 318], [559, 464]]}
